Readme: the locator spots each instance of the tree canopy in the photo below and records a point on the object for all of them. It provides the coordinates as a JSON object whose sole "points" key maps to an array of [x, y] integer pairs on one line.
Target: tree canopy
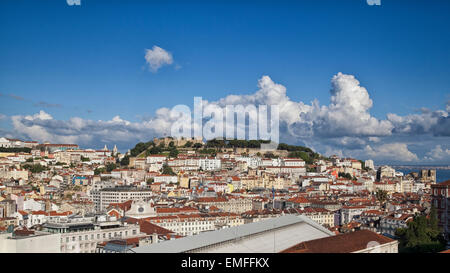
{"points": [[110, 167], [140, 147], [34, 168], [85, 159], [173, 153], [15, 150], [168, 170], [422, 235], [346, 175], [381, 195], [125, 161]]}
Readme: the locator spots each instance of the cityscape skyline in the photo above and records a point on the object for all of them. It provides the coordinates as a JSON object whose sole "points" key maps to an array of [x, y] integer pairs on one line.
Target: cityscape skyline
{"points": [[375, 89], [248, 129]]}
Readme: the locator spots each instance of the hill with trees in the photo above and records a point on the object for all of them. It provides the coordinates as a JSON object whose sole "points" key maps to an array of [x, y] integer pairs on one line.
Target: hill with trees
{"points": [[213, 146]]}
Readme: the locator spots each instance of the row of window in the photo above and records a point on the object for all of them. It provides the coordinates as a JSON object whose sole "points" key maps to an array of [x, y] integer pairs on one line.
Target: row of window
{"points": [[98, 236], [442, 191]]}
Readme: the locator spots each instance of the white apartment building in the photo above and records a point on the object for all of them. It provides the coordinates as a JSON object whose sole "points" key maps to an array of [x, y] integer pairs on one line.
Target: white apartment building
{"points": [[292, 162], [188, 225], [104, 197], [298, 170], [210, 164], [369, 164], [151, 159], [166, 178], [86, 241], [273, 162], [252, 161]]}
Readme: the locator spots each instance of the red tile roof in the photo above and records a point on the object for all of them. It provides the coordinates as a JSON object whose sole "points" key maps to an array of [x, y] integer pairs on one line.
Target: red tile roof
{"points": [[149, 228], [299, 200], [211, 199], [125, 206], [446, 183], [342, 243]]}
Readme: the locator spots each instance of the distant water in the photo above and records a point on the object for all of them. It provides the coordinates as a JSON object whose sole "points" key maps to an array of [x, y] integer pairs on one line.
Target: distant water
{"points": [[441, 175]]}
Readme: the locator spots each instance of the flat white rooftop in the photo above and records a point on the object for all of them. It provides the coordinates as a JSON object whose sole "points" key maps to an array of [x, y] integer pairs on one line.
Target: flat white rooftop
{"points": [[266, 236]]}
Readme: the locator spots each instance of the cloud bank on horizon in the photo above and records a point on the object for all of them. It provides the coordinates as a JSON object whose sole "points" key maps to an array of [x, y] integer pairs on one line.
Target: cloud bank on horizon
{"points": [[344, 127]]}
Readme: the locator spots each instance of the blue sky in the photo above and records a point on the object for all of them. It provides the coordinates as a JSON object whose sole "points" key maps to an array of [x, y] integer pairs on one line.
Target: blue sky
{"points": [[88, 61]]}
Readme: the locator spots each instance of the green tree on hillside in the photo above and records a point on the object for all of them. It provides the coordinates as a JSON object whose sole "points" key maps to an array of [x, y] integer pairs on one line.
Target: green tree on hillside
{"points": [[197, 145], [270, 155], [381, 195], [168, 170], [125, 161], [154, 150], [302, 155], [422, 235], [346, 175], [85, 159], [34, 168], [173, 153], [140, 147], [99, 171], [110, 167]]}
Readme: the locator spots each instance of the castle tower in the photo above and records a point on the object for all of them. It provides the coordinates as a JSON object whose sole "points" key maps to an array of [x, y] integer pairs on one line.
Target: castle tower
{"points": [[432, 175]]}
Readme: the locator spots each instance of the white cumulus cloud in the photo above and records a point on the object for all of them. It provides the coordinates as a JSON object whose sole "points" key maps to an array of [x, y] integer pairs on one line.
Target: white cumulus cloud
{"points": [[392, 151], [347, 115], [157, 57], [343, 127], [438, 153]]}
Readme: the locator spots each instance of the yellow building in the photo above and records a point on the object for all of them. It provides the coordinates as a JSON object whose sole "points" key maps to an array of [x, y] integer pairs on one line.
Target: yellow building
{"points": [[3, 154], [173, 194], [184, 181], [230, 188]]}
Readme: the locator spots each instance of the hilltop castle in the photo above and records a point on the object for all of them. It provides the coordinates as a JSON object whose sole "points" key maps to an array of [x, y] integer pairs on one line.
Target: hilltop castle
{"points": [[178, 142]]}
